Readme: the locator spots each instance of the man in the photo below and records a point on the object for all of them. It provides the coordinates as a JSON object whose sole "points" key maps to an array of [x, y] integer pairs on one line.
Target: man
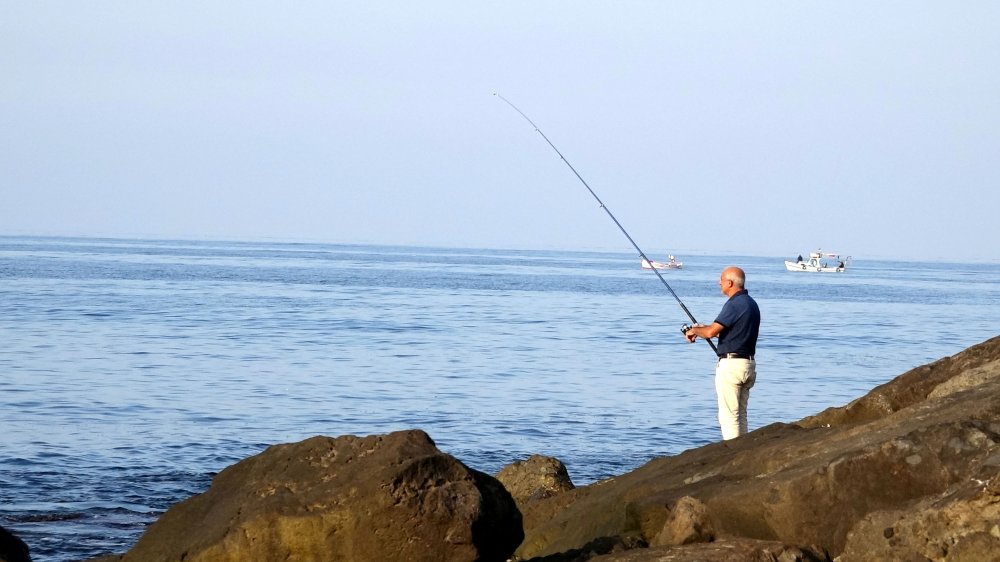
{"points": [[736, 327]]}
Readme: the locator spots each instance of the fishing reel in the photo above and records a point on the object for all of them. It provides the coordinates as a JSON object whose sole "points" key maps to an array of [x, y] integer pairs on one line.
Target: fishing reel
{"points": [[685, 328]]}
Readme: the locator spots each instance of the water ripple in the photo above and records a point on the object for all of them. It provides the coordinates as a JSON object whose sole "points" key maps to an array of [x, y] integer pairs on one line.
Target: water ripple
{"points": [[134, 371]]}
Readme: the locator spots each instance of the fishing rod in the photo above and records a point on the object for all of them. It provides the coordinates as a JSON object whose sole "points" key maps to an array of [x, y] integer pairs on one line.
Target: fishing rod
{"points": [[608, 211]]}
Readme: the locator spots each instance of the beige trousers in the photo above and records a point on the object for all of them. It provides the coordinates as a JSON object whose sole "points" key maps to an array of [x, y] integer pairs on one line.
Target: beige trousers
{"points": [[733, 380]]}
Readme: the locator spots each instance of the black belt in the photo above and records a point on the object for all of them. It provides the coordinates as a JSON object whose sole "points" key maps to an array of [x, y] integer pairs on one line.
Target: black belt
{"points": [[735, 356]]}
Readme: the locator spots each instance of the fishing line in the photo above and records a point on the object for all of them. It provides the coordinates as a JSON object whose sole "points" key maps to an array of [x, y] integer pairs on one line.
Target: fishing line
{"points": [[608, 211]]}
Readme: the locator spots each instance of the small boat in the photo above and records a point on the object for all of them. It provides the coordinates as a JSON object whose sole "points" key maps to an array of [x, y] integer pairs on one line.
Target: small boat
{"points": [[817, 263], [671, 263]]}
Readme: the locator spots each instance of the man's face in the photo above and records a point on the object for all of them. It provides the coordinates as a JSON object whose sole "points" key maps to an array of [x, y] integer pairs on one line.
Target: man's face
{"points": [[724, 283]]}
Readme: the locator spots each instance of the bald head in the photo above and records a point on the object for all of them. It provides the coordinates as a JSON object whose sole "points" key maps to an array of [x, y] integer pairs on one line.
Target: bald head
{"points": [[736, 275], [732, 280]]}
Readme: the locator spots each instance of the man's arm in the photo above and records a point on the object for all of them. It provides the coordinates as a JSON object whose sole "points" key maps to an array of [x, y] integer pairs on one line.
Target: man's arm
{"points": [[705, 332]]}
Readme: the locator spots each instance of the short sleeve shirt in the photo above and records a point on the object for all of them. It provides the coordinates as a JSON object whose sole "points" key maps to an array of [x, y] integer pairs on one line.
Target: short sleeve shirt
{"points": [[740, 319]]}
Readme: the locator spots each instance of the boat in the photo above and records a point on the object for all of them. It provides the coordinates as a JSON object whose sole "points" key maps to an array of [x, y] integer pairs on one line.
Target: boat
{"points": [[671, 263], [817, 263]]}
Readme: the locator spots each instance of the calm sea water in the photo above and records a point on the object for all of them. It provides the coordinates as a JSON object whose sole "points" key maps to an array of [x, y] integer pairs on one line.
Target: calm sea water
{"points": [[132, 371]]}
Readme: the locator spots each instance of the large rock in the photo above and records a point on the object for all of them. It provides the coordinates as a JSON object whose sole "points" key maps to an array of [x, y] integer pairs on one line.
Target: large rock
{"points": [[726, 550], [634, 549], [963, 525], [379, 498], [922, 436], [12, 548], [535, 478], [687, 522]]}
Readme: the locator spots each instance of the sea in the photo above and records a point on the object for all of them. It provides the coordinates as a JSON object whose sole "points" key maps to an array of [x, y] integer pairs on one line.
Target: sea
{"points": [[133, 371]]}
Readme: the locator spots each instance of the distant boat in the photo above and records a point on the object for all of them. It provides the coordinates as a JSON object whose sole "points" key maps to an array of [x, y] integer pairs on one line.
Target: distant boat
{"points": [[671, 263], [817, 263]]}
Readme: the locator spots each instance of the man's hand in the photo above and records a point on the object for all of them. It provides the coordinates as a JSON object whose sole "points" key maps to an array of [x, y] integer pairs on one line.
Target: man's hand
{"points": [[690, 334]]}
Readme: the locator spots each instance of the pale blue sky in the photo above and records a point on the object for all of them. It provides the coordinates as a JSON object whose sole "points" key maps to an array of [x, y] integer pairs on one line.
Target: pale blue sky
{"points": [[763, 128]]}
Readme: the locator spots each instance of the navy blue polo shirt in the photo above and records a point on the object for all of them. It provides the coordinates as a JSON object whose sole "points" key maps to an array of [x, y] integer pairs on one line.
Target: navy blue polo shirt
{"points": [[740, 319]]}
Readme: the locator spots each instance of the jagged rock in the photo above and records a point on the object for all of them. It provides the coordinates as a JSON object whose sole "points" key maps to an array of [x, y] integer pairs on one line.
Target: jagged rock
{"points": [[686, 523], [392, 497], [962, 526], [536, 478], [12, 548], [726, 550], [975, 366], [809, 483]]}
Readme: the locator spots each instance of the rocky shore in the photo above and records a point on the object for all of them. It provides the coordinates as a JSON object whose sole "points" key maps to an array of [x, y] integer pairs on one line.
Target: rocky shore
{"points": [[910, 471]]}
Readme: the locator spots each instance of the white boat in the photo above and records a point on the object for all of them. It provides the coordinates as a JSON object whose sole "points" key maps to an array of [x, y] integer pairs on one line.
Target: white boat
{"points": [[817, 263], [672, 263]]}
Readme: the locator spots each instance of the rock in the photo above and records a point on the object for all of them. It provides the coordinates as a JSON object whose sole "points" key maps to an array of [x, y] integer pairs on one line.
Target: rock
{"points": [[686, 523], [726, 550], [594, 549], [536, 478], [914, 439], [385, 497], [964, 525], [12, 548], [975, 366]]}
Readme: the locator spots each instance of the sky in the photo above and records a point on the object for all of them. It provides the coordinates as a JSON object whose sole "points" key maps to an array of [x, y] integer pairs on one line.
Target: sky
{"points": [[746, 128]]}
